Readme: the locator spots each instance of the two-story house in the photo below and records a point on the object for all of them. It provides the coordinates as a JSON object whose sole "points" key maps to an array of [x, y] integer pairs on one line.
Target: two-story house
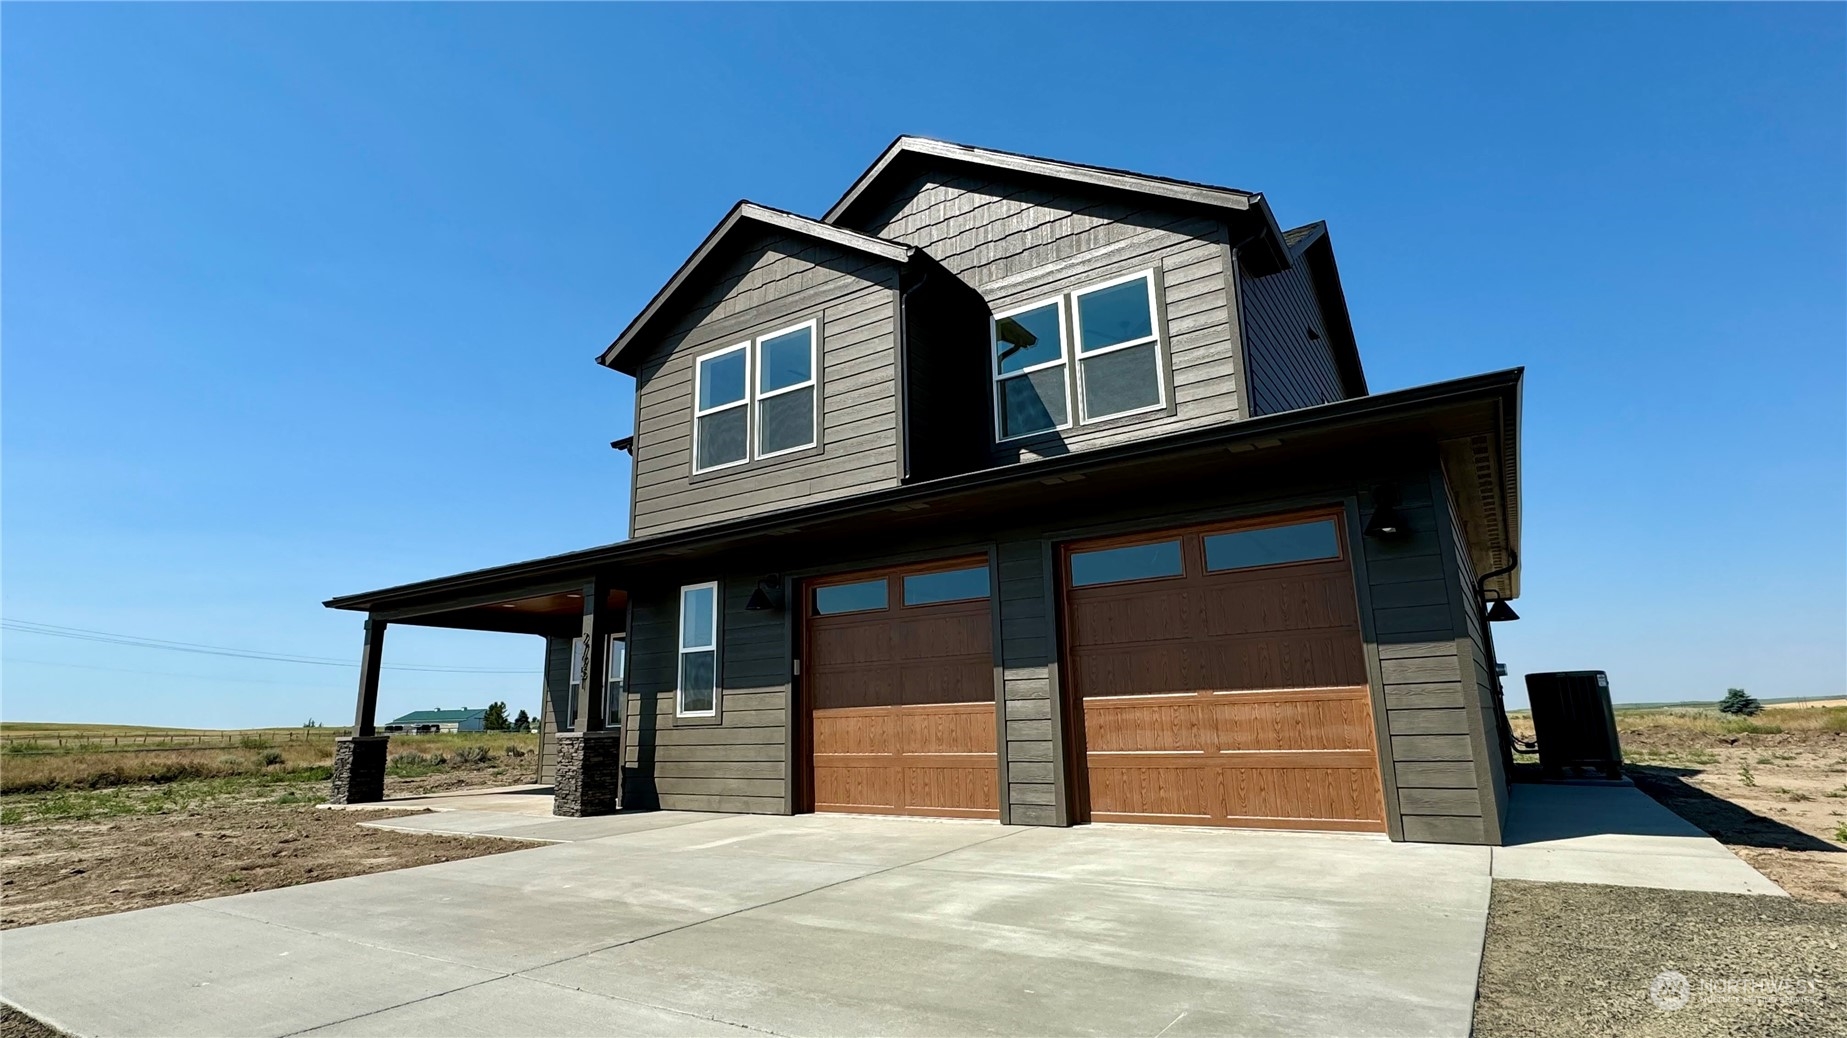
{"points": [[1029, 491]]}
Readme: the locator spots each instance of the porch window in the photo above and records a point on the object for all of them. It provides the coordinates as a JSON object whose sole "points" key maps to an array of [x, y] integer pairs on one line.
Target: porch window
{"points": [[721, 409], [698, 686]]}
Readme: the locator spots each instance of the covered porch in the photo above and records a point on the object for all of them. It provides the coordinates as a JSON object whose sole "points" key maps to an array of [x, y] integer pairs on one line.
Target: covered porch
{"points": [[579, 719]]}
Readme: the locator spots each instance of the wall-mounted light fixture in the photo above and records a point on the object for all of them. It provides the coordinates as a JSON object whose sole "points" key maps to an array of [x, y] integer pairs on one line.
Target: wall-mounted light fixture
{"points": [[767, 597], [1387, 523], [1501, 611]]}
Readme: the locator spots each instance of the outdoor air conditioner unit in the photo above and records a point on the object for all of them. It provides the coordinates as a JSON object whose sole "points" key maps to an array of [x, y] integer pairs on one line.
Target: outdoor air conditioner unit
{"points": [[1574, 724]]}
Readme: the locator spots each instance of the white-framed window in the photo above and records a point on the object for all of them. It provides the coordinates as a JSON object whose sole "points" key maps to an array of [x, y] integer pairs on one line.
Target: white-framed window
{"points": [[1118, 348], [721, 408], [786, 390], [696, 694], [757, 399], [1113, 366], [1032, 393]]}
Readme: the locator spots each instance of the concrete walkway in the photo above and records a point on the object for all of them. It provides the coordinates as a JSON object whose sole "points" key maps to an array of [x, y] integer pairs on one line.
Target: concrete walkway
{"points": [[1617, 835], [683, 924]]}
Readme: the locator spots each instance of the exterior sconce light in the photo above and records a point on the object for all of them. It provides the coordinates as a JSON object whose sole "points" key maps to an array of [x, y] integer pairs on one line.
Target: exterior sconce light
{"points": [[1500, 611], [767, 597], [1386, 522]]}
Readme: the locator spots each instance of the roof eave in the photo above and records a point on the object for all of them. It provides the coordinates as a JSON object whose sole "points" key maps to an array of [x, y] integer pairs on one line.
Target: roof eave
{"points": [[743, 211], [1358, 410], [1182, 191]]}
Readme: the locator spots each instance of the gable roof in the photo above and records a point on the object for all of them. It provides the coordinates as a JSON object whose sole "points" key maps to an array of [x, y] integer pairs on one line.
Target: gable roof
{"points": [[909, 153], [438, 716], [1299, 238], [746, 215], [1310, 244]]}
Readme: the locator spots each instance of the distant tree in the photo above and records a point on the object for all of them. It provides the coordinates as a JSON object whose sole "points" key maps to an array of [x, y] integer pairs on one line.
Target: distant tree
{"points": [[1739, 702], [312, 723], [496, 719], [522, 722]]}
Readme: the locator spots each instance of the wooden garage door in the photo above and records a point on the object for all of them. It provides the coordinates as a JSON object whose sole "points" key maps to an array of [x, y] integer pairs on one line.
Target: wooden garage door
{"points": [[900, 673], [1222, 678]]}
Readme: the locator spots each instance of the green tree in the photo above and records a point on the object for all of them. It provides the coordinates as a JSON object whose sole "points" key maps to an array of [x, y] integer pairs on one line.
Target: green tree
{"points": [[496, 719], [1739, 702], [522, 722]]}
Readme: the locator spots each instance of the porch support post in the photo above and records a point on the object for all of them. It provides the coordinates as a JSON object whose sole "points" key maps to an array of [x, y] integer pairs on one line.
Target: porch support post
{"points": [[588, 777], [359, 759]]}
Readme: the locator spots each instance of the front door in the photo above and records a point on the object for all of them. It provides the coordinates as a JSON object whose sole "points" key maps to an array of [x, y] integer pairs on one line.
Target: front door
{"points": [[900, 677]]}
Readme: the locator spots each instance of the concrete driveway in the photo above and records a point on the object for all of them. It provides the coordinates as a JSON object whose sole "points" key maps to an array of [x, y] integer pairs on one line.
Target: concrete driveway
{"points": [[685, 924]]}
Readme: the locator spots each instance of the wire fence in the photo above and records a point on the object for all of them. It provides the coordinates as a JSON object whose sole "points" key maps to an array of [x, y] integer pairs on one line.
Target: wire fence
{"points": [[25, 742]]}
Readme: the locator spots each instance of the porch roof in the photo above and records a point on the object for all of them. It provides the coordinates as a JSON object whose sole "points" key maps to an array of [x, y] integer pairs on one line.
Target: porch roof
{"points": [[1474, 421]]}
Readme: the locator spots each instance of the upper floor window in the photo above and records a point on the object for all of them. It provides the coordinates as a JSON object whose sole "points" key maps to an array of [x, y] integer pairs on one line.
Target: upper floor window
{"points": [[1117, 369], [736, 417]]}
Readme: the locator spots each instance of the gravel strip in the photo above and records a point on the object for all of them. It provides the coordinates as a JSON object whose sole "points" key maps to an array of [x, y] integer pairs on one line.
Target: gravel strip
{"points": [[1578, 959]]}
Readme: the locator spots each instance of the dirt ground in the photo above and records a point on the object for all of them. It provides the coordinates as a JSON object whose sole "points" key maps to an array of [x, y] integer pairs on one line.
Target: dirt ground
{"points": [[137, 847], [1777, 799], [1578, 959], [15, 1024]]}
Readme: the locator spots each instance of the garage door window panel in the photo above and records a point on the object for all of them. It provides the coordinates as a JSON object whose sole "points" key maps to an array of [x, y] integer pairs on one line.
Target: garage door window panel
{"points": [[862, 596], [950, 585], [1127, 563], [1272, 546]]}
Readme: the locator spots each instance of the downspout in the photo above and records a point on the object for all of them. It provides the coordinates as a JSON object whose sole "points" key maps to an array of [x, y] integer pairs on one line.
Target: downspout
{"points": [[1509, 742]]}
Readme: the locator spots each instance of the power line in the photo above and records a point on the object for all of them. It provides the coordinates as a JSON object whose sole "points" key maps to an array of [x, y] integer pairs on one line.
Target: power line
{"points": [[138, 642]]}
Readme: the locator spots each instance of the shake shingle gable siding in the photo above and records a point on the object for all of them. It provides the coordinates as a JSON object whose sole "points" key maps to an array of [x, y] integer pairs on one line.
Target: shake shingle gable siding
{"points": [[1016, 242], [776, 281]]}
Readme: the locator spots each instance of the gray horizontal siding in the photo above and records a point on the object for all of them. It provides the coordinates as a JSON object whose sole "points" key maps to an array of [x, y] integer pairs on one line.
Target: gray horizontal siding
{"points": [[1433, 752], [1028, 654], [554, 703], [1016, 243], [777, 280], [739, 759], [1288, 368]]}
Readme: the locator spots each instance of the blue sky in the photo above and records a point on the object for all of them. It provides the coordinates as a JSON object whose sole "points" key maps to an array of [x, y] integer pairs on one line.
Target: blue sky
{"points": [[302, 300]]}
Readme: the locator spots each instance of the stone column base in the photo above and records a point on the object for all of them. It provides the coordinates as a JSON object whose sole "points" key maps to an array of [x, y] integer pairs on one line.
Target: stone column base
{"points": [[588, 777], [358, 769]]}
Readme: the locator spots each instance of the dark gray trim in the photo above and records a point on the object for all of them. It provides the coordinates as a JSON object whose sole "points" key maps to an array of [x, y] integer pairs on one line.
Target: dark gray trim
{"points": [[792, 642], [1052, 580], [1375, 674], [1359, 411], [619, 355], [1234, 306], [371, 661], [900, 370], [1002, 776]]}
